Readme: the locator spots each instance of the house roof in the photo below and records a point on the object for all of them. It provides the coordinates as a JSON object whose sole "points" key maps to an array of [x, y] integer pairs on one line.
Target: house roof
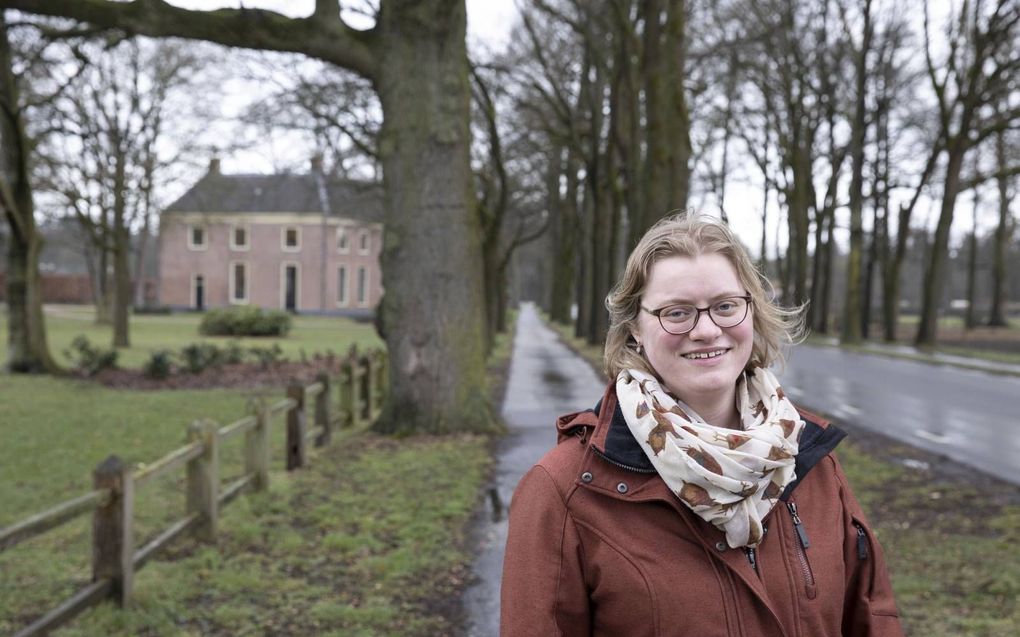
{"points": [[216, 193]]}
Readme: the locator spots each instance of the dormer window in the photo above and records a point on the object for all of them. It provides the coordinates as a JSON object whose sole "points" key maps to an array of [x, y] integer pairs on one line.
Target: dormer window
{"points": [[343, 241], [290, 239], [197, 238]]}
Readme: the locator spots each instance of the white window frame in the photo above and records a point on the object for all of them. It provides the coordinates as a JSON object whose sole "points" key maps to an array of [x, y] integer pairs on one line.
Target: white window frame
{"points": [[283, 285], [232, 283], [364, 242], [362, 292], [343, 275], [342, 231], [283, 239], [198, 247], [247, 237], [194, 291]]}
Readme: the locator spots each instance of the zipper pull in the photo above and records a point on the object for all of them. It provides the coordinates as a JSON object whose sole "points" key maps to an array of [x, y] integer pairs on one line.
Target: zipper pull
{"points": [[798, 525], [862, 542], [752, 557]]}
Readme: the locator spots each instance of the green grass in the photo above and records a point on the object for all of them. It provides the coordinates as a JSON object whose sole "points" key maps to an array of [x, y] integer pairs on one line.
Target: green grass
{"points": [[367, 540], [154, 332], [950, 542]]}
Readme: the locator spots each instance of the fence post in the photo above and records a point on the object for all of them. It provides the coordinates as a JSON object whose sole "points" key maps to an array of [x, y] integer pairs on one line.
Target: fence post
{"points": [[112, 538], [322, 415], [355, 388], [256, 448], [370, 379], [381, 381], [204, 478], [296, 451]]}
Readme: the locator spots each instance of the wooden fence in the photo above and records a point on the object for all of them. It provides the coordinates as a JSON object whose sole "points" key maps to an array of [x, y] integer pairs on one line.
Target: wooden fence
{"points": [[358, 391]]}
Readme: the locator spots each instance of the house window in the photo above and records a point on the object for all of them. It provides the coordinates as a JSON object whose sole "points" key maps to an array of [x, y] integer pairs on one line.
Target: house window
{"points": [[363, 242], [239, 238], [238, 282], [362, 286], [196, 238], [343, 241], [341, 286], [290, 238]]}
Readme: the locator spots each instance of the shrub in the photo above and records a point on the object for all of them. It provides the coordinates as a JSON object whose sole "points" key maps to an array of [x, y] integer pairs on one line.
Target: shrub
{"points": [[245, 320], [198, 357], [88, 358], [267, 356], [159, 365], [232, 353]]}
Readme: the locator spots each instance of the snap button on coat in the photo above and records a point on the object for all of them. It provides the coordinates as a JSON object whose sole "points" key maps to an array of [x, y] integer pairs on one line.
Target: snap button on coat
{"points": [[586, 477], [721, 546], [622, 487]]}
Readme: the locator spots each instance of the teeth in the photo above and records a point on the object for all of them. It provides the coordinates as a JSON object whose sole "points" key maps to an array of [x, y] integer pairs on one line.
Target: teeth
{"points": [[719, 352]]}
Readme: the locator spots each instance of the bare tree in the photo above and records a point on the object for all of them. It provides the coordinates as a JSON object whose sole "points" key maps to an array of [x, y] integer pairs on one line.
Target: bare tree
{"points": [[978, 69], [27, 349]]}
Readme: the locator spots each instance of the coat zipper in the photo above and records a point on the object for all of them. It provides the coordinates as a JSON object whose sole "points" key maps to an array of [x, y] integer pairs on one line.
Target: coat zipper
{"points": [[802, 544], [862, 542], [752, 557]]}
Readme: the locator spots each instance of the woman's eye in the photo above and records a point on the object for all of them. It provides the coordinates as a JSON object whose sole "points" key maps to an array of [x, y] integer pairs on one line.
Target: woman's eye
{"points": [[677, 313]]}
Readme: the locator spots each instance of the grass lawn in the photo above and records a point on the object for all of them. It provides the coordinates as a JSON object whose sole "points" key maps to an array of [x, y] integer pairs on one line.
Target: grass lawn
{"points": [[367, 540], [154, 332], [950, 534]]}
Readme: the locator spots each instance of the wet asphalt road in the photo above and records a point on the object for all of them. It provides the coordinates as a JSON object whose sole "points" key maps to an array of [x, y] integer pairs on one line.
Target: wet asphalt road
{"points": [[969, 416], [546, 381]]}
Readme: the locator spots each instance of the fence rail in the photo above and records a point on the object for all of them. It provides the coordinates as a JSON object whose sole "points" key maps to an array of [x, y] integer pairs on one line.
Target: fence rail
{"points": [[358, 394]]}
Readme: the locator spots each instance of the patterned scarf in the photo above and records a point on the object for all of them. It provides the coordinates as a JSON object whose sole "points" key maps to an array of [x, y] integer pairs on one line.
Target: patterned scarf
{"points": [[728, 477]]}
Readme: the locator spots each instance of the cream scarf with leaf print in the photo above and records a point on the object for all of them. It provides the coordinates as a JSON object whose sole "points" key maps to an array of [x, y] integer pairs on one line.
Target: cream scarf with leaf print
{"points": [[729, 478]]}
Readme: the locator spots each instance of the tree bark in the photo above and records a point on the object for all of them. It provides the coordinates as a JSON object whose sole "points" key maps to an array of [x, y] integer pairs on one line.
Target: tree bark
{"points": [[852, 314], [27, 349], [431, 258], [1003, 232]]}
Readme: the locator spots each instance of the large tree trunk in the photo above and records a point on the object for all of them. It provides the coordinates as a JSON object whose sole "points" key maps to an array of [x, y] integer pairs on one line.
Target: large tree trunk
{"points": [[121, 253], [564, 258], [433, 307], [934, 273], [1003, 232], [852, 315], [27, 350], [667, 135]]}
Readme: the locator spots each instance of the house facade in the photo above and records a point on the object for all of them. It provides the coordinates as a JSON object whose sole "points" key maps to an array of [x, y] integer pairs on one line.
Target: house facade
{"points": [[297, 242]]}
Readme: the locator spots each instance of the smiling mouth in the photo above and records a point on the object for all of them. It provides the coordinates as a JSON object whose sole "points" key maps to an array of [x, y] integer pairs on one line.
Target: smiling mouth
{"points": [[704, 355]]}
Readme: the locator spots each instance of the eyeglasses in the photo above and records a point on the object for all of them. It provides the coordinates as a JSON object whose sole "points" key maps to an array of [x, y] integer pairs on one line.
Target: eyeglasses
{"points": [[680, 319]]}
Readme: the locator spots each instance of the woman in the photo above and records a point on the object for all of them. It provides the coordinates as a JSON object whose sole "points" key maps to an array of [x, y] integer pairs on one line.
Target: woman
{"points": [[695, 498]]}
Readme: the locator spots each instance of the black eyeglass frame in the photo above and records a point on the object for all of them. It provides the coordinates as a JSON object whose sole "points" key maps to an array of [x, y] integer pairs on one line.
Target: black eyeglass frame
{"points": [[697, 316]]}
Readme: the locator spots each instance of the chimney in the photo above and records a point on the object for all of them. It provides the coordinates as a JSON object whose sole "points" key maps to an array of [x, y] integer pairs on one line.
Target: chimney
{"points": [[214, 166], [317, 164]]}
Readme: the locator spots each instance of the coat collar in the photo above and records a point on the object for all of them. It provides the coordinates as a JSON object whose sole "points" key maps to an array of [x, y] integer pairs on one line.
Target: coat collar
{"points": [[605, 427]]}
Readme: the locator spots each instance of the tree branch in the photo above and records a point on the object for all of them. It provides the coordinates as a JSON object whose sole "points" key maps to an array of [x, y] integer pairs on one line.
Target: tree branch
{"points": [[329, 40]]}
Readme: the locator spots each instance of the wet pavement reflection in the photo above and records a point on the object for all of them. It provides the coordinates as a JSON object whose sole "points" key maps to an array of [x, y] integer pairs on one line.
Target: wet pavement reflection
{"points": [[966, 415], [546, 380]]}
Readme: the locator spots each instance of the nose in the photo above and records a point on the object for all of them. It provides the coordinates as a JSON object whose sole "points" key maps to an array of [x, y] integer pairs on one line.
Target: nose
{"points": [[705, 329]]}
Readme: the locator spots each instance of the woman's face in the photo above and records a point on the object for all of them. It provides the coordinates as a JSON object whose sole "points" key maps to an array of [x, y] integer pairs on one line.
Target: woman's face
{"points": [[698, 281]]}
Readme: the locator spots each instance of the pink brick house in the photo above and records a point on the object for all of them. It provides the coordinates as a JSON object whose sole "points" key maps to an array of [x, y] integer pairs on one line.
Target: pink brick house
{"points": [[300, 242]]}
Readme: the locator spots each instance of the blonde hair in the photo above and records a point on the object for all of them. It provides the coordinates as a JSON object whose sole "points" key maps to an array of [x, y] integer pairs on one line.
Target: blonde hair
{"points": [[690, 235]]}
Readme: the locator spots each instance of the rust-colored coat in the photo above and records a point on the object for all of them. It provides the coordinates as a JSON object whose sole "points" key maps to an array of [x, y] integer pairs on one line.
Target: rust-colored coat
{"points": [[598, 545]]}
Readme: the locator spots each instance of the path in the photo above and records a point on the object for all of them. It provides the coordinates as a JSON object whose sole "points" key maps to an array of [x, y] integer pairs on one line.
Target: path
{"points": [[546, 380]]}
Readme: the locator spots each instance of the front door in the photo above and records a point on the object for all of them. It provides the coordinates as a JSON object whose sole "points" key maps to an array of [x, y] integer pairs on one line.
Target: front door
{"points": [[199, 292], [290, 278]]}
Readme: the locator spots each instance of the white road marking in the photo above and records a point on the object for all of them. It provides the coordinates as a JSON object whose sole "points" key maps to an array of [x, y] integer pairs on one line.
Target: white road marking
{"points": [[936, 438]]}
